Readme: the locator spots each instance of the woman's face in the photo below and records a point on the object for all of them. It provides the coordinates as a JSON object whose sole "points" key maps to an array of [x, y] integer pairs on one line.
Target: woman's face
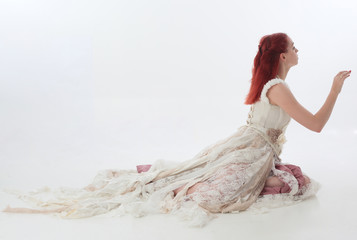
{"points": [[291, 56]]}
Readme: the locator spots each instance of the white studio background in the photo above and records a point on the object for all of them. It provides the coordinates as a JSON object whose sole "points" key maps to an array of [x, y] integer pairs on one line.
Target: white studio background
{"points": [[89, 85]]}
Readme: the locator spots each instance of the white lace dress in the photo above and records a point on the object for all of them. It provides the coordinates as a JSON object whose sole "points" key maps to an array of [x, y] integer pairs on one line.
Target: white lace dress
{"points": [[232, 173]]}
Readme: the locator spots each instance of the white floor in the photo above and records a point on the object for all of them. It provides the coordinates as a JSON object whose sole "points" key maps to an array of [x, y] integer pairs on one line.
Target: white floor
{"points": [[329, 215]]}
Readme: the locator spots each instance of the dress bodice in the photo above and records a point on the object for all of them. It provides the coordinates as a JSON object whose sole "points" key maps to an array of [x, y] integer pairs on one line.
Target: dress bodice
{"points": [[266, 115], [270, 120]]}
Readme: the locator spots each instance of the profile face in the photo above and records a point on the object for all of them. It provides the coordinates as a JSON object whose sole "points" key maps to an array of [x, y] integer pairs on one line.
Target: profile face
{"points": [[291, 55]]}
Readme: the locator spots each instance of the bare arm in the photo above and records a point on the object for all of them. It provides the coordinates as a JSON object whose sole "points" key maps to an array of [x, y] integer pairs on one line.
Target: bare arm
{"points": [[281, 95]]}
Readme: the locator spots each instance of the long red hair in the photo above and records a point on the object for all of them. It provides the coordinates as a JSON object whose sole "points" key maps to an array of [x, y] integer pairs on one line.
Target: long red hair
{"points": [[266, 63]]}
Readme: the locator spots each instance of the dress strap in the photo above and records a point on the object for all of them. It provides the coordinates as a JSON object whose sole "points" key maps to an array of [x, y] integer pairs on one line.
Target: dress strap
{"points": [[269, 84]]}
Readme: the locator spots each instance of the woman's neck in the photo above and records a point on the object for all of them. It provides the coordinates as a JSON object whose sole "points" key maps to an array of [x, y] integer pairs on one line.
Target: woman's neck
{"points": [[282, 72]]}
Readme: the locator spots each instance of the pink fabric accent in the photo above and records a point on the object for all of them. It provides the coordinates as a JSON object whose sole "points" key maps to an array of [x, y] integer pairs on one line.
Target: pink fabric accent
{"points": [[294, 170], [143, 168]]}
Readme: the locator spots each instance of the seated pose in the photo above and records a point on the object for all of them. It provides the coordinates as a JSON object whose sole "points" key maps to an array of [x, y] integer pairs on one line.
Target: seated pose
{"points": [[230, 175]]}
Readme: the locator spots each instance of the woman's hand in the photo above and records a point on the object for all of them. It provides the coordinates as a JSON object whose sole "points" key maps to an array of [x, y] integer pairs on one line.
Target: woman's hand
{"points": [[339, 80]]}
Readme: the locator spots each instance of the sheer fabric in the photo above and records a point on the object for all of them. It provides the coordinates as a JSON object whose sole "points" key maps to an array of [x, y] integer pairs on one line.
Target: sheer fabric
{"points": [[229, 176]]}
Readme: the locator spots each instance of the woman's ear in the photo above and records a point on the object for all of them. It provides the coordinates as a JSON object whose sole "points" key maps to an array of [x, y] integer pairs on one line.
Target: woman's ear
{"points": [[282, 56]]}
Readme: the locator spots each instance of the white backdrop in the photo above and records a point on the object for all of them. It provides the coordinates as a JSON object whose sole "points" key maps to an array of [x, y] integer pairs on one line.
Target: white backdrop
{"points": [[88, 85]]}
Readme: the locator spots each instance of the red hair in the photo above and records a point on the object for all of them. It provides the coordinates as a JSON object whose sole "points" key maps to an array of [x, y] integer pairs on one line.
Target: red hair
{"points": [[266, 63]]}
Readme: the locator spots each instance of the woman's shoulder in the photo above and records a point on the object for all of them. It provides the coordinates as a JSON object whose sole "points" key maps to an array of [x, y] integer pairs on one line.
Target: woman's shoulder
{"points": [[268, 85]]}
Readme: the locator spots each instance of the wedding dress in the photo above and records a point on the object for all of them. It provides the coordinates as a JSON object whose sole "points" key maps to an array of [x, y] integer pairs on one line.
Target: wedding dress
{"points": [[231, 172]]}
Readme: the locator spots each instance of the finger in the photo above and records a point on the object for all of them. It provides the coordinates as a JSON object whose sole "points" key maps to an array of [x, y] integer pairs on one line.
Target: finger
{"points": [[346, 72], [346, 75], [340, 73]]}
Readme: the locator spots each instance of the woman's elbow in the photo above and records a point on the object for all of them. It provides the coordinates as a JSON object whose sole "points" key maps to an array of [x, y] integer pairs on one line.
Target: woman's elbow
{"points": [[318, 128]]}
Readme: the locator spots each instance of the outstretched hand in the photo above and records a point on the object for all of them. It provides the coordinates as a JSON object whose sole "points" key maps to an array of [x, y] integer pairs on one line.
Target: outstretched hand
{"points": [[339, 80]]}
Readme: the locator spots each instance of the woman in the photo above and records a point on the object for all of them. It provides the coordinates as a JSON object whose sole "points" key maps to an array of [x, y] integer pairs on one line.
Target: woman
{"points": [[231, 175]]}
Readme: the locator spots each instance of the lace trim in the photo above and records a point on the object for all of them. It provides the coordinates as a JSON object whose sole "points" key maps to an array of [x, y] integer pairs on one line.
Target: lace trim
{"points": [[250, 114], [274, 134], [269, 84], [274, 137]]}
